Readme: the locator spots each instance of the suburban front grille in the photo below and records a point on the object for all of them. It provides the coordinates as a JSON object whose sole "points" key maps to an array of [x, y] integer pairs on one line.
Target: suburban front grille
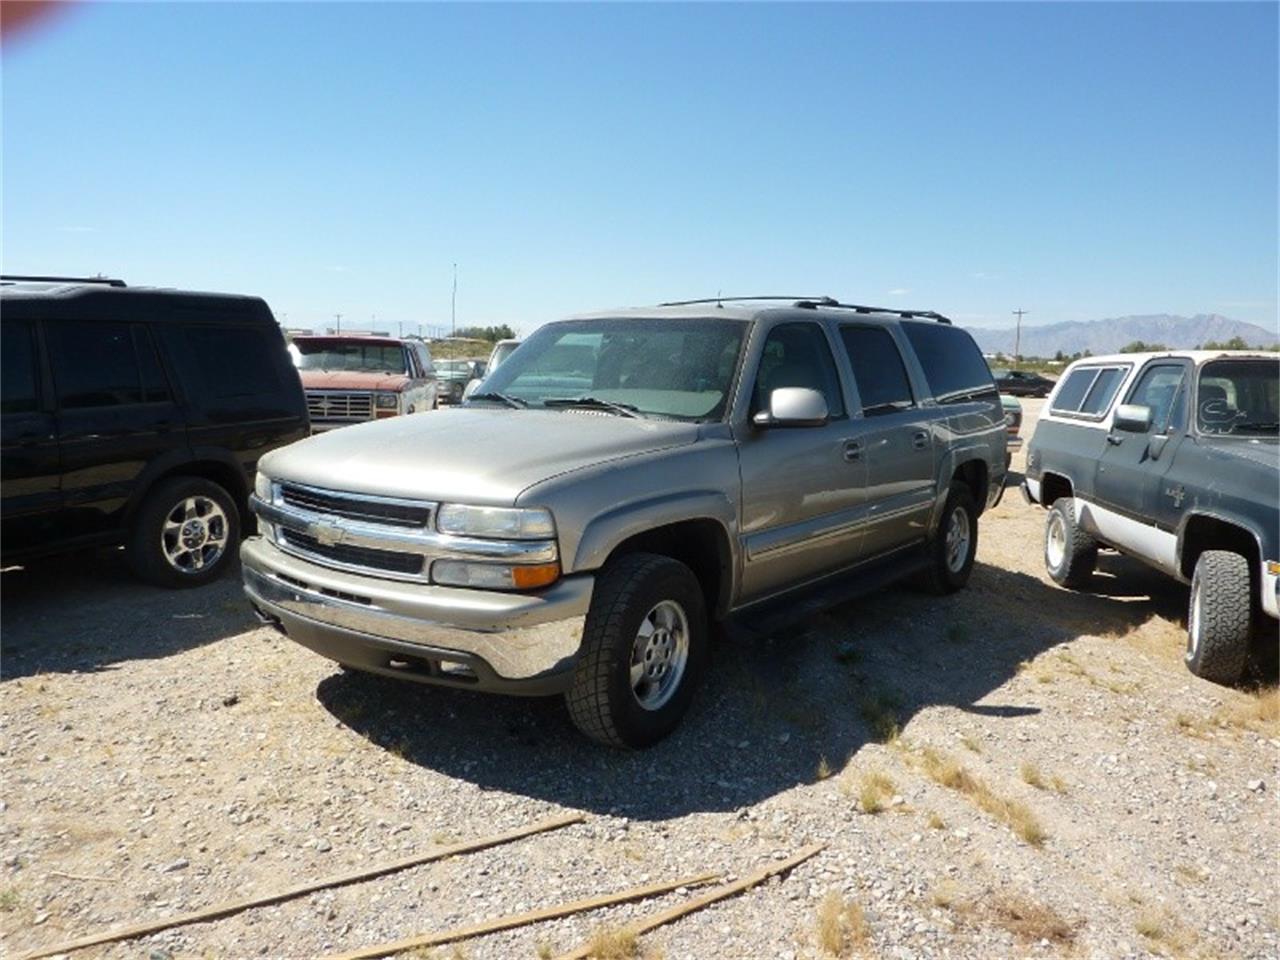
{"points": [[391, 561], [354, 507], [336, 405]]}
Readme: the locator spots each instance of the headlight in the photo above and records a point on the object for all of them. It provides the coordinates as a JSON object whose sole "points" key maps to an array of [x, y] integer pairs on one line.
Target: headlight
{"points": [[494, 576], [497, 523], [1009, 420], [388, 401], [262, 487]]}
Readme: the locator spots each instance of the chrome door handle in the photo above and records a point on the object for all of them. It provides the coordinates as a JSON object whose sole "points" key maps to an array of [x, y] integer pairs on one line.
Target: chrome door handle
{"points": [[920, 440], [852, 451]]}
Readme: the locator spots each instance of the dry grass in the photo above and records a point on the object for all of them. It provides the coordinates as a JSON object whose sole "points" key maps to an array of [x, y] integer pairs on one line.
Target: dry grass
{"points": [[945, 895], [971, 744], [935, 821], [1258, 710], [880, 711], [841, 926], [824, 771], [1031, 775], [9, 899], [875, 790], [613, 943], [1163, 932], [544, 950], [1030, 919], [1016, 815]]}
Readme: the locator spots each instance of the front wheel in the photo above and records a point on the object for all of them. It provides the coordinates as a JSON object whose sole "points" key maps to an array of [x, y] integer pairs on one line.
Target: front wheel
{"points": [[1219, 617], [644, 649], [953, 548], [185, 533]]}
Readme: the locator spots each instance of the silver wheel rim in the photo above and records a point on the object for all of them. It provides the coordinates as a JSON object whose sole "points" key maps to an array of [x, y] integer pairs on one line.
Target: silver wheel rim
{"points": [[194, 534], [1193, 620], [957, 539], [659, 654], [1055, 541]]}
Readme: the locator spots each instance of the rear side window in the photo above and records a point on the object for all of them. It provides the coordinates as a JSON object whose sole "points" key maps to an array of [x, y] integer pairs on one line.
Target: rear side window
{"points": [[18, 376], [234, 361], [1088, 391], [877, 369], [94, 364], [952, 362]]}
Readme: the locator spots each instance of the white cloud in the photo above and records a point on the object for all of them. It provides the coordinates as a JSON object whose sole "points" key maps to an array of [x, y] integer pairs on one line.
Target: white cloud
{"points": [[899, 292], [982, 275]]}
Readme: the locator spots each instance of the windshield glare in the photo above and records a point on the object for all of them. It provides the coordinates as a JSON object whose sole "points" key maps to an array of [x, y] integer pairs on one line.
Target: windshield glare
{"points": [[1239, 397], [361, 357], [677, 369]]}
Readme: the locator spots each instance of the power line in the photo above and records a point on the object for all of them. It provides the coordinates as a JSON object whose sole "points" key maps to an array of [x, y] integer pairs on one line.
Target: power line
{"points": [[1017, 337]]}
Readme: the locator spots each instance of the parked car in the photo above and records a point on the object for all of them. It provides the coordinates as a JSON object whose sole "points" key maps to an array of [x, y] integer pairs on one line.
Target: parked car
{"points": [[1013, 424], [455, 375], [1172, 458], [624, 481], [501, 350], [137, 416], [352, 378], [1022, 383]]}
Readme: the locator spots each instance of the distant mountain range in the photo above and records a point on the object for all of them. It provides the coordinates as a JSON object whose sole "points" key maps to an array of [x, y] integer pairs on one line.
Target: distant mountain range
{"points": [[1108, 336]]}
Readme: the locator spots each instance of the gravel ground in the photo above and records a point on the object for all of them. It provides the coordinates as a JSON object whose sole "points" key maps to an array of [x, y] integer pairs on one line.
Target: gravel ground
{"points": [[1013, 771]]}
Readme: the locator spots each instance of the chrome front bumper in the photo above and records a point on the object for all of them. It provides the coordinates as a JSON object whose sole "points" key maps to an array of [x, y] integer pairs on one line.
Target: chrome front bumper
{"points": [[505, 642]]}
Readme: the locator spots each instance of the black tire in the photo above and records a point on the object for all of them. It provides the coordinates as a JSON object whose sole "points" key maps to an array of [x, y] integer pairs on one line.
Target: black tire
{"points": [[601, 699], [944, 574], [150, 544], [1219, 617], [1070, 554]]}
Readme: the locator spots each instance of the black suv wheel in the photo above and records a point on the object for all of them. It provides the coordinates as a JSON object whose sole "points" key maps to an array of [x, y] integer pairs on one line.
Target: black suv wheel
{"points": [[644, 648], [1219, 617], [185, 533]]}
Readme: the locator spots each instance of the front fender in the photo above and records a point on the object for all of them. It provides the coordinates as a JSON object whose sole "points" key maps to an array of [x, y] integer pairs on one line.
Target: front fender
{"points": [[607, 530]]}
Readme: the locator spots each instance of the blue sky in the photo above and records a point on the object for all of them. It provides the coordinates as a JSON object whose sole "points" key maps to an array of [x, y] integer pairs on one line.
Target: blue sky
{"points": [[1080, 161]]}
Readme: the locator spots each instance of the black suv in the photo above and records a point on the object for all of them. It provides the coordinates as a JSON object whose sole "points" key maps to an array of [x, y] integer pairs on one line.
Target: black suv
{"points": [[136, 416]]}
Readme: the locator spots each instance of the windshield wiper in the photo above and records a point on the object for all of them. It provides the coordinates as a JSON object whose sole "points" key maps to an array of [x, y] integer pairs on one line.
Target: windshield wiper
{"points": [[516, 402], [621, 409]]}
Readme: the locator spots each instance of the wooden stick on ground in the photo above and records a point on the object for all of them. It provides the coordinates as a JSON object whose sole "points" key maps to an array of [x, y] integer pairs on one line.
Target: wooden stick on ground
{"points": [[522, 919], [653, 921], [368, 873]]}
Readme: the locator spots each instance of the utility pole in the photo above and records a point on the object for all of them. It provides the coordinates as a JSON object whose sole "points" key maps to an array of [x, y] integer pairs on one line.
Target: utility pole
{"points": [[453, 304], [1017, 338], [400, 329], [338, 318]]}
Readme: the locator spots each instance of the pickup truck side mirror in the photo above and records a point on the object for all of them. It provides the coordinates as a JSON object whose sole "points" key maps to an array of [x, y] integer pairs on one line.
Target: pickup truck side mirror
{"points": [[794, 407], [1133, 418]]}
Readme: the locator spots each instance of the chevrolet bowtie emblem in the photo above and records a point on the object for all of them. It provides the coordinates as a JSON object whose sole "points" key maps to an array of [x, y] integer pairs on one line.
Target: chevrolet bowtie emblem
{"points": [[326, 532]]}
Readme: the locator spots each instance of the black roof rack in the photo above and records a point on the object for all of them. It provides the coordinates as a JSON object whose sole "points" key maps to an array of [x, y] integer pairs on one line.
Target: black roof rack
{"points": [[106, 281], [812, 303]]}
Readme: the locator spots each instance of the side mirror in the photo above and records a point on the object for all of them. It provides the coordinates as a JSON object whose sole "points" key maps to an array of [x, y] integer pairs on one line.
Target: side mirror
{"points": [[794, 407], [1133, 418]]}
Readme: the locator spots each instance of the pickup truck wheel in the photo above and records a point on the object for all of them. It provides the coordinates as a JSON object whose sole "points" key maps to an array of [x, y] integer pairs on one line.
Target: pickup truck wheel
{"points": [[1219, 617], [956, 543], [1070, 554], [185, 533], [644, 648]]}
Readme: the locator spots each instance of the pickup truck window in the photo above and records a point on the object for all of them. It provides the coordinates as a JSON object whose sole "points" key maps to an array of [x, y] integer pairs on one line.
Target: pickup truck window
{"points": [[1159, 388], [1239, 398], [335, 354], [877, 369], [952, 362], [18, 381], [679, 369], [797, 355]]}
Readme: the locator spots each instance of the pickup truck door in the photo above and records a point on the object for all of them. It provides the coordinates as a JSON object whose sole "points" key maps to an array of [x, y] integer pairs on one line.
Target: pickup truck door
{"points": [[1130, 477], [803, 488]]}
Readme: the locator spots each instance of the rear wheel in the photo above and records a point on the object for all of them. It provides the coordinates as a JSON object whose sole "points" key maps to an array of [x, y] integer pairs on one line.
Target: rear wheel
{"points": [[1219, 617], [644, 649], [185, 533], [1070, 554], [953, 549]]}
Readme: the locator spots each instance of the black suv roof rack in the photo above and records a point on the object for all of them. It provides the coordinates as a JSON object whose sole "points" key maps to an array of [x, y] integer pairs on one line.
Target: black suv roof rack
{"points": [[812, 303], [106, 281]]}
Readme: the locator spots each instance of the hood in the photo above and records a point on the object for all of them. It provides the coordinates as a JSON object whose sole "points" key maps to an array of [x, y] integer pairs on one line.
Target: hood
{"points": [[352, 380], [471, 454]]}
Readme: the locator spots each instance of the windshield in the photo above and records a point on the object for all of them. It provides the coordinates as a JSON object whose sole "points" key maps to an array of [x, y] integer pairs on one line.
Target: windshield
{"points": [[350, 355], [1239, 398], [676, 369]]}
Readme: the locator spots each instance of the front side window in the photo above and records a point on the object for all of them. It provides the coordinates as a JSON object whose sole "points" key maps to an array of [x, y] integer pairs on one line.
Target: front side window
{"points": [[797, 355], [18, 392], [94, 364], [877, 369], [952, 363], [333, 354], [1239, 398], [1159, 388], [669, 369]]}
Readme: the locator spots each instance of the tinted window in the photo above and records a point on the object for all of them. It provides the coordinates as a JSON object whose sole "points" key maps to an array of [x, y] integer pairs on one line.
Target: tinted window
{"points": [[1098, 399], [234, 361], [94, 364], [877, 369], [18, 376], [155, 388], [797, 355], [1158, 388], [952, 362]]}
